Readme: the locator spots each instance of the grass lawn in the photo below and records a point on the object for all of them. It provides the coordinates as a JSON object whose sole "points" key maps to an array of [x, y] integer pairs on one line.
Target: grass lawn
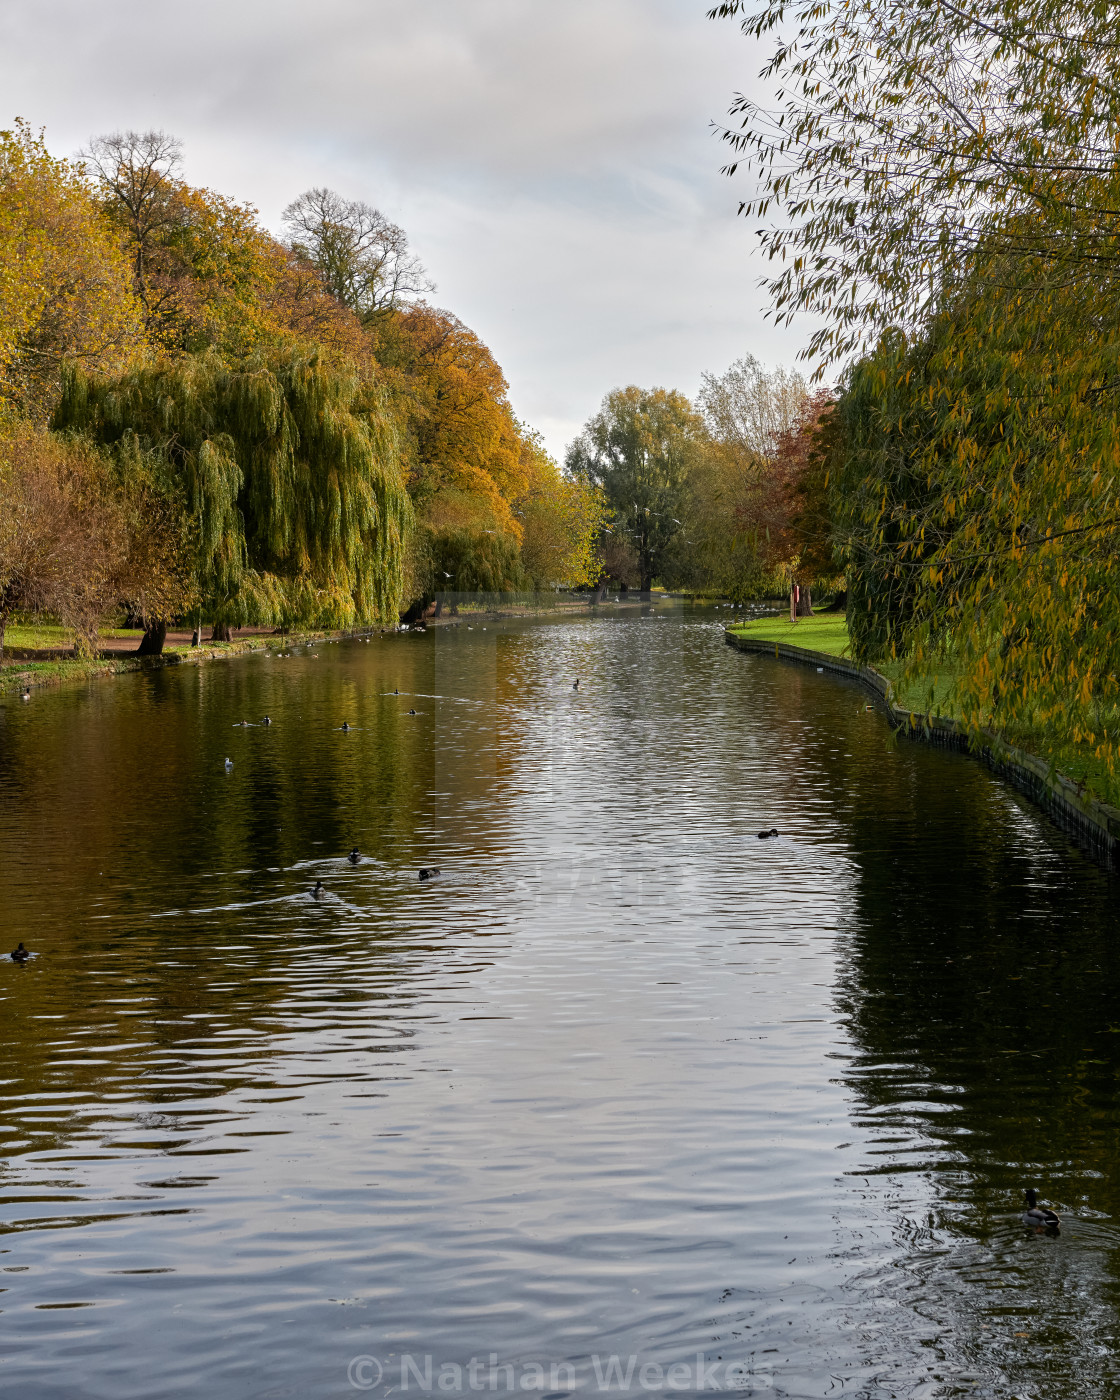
{"points": [[38, 636], [823, 632], [933, 694]]}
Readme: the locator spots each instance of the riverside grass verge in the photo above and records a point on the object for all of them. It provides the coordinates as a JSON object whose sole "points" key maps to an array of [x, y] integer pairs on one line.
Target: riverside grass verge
{"points": [[932, 695], [17, 676]]}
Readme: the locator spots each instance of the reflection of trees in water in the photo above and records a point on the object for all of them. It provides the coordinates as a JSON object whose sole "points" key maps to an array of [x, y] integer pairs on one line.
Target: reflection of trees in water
{"points": [[980, 987], [117, 809]]}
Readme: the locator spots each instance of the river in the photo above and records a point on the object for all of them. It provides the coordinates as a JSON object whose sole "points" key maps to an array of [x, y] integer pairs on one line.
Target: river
{"points": [[624, 1081]]}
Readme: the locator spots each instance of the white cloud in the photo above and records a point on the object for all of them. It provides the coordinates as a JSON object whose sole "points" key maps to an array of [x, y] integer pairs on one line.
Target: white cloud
{"points": [[551, 159]]}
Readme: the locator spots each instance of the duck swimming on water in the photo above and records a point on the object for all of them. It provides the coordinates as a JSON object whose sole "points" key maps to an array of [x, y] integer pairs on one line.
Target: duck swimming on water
{"points": [[430, 873], [1038, 1217], [766, 835], [320, 890], [20, 954], [355, 856]]}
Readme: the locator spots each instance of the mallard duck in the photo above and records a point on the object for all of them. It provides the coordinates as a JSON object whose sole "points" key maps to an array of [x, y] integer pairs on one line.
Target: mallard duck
{"points": [[355, 856], [766, 835], [1039, 1217], [20, 954], [320, 890]]}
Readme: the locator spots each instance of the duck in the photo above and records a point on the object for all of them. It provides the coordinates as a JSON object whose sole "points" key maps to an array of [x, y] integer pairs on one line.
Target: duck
{"points": [[345, 727], [266, 720], [25, 695], [229, 764], [320, 890], [355, 856], [575, 684], [429, 873], [20, 954], [412, 712], [1039, 1217], [766, 835]]}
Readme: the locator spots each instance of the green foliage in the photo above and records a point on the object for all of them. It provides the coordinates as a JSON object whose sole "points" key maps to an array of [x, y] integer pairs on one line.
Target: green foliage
{"points": [[976, 492], [638, 450], [465, 561], [289, 470], [908, 137]]}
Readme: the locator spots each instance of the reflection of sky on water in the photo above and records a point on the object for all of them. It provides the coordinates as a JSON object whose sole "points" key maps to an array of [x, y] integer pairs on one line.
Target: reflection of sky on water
{"points": [[624, 1079]]}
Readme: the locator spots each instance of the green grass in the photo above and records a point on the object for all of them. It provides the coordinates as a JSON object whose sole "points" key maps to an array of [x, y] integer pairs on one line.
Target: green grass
{"points": [[39, 636], [827, 632], [933, 694]]}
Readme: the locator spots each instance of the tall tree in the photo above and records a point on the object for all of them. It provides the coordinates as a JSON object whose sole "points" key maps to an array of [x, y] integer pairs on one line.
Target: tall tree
{"points": [[137, 174], [749, 407], [362, 257], [908, 138], [65, 290], [638, 449], [289, 469]]}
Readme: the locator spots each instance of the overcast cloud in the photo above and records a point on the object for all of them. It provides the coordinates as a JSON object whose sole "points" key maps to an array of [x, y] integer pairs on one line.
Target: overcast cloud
{"points": [[551, 160]]}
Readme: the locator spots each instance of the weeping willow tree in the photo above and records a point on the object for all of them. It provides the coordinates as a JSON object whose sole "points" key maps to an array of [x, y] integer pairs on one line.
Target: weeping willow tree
{"points": [[289, 470]]}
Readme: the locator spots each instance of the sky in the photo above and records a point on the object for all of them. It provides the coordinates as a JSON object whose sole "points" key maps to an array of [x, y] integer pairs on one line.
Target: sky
{"points": [[552, 161]]}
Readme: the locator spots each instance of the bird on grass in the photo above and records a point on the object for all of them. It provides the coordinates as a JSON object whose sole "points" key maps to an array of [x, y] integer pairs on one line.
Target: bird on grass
{"points": [[1039, 1217], [20, 954], [766, 835]]}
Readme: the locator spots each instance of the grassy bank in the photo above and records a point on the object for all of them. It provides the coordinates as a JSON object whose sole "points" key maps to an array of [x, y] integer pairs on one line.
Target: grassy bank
{"points": [[15, 676], [828, 633]]}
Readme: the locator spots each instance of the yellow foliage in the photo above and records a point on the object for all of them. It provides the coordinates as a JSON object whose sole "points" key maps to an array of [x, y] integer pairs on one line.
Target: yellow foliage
{"points": [[65, 285]]}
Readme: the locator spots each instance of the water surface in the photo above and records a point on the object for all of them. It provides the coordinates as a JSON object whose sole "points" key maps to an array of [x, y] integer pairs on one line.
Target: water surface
{"points": [[624, 1081]]}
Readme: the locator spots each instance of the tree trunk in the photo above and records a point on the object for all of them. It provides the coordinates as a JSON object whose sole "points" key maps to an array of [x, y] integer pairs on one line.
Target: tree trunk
{"points": [[805, 603], [220, 632], [793, 602], [151, 643], [439, 607]]}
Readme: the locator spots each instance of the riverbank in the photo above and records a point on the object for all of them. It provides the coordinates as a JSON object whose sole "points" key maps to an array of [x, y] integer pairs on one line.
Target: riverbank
{"points": [[41, 654], [1044, 772]]}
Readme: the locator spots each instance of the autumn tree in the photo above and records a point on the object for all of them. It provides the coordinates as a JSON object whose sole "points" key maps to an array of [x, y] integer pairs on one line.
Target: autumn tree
{"points": [[562, 521], [363, 258], [65, 290], [78, 538], [290, 472], [638, 450]]}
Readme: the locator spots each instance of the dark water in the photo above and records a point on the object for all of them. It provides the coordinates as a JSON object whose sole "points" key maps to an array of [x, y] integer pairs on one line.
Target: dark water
{"points": [[625, 1081]]}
